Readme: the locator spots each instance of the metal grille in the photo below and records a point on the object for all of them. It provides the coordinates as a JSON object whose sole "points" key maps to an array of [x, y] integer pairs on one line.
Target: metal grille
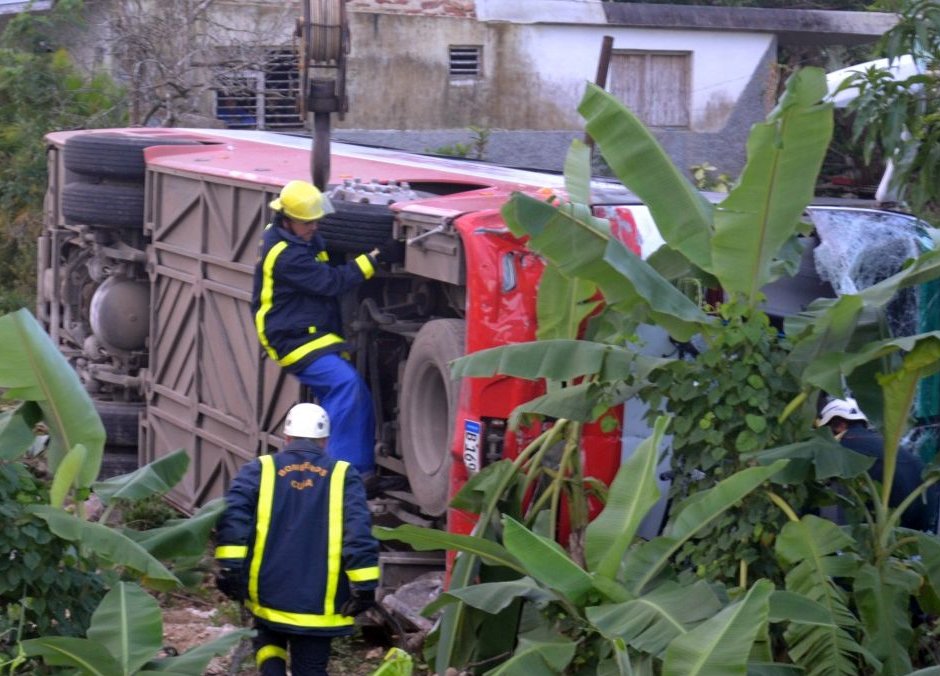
{"points": [[264, 98], [465, 60]]}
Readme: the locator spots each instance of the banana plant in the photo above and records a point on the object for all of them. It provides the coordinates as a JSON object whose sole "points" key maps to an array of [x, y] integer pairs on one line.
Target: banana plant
{"points": [[33, 370], [626, 607], [126, 638], [880, 568]]}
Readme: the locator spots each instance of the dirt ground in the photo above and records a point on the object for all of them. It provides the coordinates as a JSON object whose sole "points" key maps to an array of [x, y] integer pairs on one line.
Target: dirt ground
{"points": [[190, 620]]}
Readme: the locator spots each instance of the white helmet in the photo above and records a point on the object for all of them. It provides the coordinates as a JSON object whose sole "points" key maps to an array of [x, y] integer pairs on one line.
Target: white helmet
{"points": [[847, 409], [307, 421]]}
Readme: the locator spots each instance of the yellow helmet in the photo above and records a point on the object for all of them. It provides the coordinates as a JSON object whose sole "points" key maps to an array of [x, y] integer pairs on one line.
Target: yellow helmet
{"points": [[299, 201]]}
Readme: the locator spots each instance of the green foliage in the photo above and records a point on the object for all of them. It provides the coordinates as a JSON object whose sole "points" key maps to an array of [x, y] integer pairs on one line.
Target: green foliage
{"points": [[33, 370], [475, 148], [742, 394], [126, 637], [706, 178], [47, 586], [901, 118], [41, 90], [52, 582], [725, 402], [582, 618]]}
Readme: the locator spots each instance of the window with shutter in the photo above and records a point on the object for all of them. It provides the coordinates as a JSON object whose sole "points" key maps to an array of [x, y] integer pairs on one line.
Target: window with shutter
{"points": [[260, 98], [654, 85]]}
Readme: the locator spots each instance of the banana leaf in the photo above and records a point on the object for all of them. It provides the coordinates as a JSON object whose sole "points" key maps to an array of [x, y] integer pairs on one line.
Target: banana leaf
{"points": [[181, 538], [558, 360], [545, 561], [819, 551], [883, 595], [721, 645], [108, 544], [425, 539], [563, 304], [900, 389], [67, 474], [651, 622], [493, 597], [578, 173], [819, 457], [128, 623], [32, 369], [791, 607], [763, 211], [16, 430], [682, 215], [827, 371], [581, 246], [536, 658], [633, 492], [642, 564], [194, 661], [91, 658], [155, 478]]}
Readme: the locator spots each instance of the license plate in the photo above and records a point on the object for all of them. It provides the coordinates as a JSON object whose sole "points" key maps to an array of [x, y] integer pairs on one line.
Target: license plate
{"points": [[471, 445]]}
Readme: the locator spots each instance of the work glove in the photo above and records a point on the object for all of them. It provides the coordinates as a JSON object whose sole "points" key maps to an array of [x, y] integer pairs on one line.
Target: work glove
{"points": [[230, 580], [359, 601], [391, 251]]}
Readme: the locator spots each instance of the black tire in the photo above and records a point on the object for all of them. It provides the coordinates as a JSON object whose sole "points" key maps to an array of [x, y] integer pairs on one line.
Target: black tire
{"points": [[428, 404], [113, 204], [121, 421], [356, 228], [111, 155]]}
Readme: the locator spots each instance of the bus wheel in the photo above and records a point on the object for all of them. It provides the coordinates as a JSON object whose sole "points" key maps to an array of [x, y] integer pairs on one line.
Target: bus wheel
{"points": [[428, 405]]}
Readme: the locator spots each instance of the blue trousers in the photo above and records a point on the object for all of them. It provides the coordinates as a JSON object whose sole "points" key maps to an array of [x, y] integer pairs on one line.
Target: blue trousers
{"points": [[342, 392], [309, 655]]}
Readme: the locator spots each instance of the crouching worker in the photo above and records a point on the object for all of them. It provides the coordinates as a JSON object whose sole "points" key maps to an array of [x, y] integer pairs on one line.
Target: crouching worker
{"points": [[849, 426], [295, 545]]}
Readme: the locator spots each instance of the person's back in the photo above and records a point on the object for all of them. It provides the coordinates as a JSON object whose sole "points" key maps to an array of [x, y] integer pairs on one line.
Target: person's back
{"points": [[850, 427], [295, 544], [907, 473]]}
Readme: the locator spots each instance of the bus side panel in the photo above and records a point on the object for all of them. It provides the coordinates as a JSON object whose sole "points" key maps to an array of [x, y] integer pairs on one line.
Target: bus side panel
{"points": [[208, 388], [501, 310]]}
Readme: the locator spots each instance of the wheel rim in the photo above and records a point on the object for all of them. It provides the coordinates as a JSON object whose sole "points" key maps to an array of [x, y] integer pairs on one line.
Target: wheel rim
{"points": [[433, 430]]}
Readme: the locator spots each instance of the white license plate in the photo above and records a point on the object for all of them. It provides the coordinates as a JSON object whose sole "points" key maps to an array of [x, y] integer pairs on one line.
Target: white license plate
{"points": [[471, 445]]}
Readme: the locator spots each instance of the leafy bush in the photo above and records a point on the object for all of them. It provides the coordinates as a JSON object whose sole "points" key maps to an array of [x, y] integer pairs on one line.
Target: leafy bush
{"points": [[47, 586], [42, 91]]}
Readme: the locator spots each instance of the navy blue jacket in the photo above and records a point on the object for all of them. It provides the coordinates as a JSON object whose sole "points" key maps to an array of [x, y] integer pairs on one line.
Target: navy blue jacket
{"points": [[907, 475], [295, 297], [297, 524]]}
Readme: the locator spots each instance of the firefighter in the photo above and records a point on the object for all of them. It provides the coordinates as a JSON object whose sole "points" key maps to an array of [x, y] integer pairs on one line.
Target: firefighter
{"points": [[849, 426], [295, 302], [295, 545]]}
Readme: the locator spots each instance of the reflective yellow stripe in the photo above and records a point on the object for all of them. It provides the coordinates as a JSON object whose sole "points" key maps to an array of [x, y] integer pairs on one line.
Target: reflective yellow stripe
{"points": [[363, 574], [300, 619], [231, 552], [329, 618], [365, 265], [334, 556], [299, 353], [267, 295], [265, 500], [268, 652]]}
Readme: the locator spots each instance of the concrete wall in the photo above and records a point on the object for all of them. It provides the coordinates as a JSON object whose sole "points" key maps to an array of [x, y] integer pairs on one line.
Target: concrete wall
{"points": [[533, 75]]}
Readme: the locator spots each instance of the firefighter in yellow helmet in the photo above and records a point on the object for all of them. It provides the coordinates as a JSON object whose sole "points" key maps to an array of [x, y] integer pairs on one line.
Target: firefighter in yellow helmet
{"points": [[295, 544], [297, 316]]}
